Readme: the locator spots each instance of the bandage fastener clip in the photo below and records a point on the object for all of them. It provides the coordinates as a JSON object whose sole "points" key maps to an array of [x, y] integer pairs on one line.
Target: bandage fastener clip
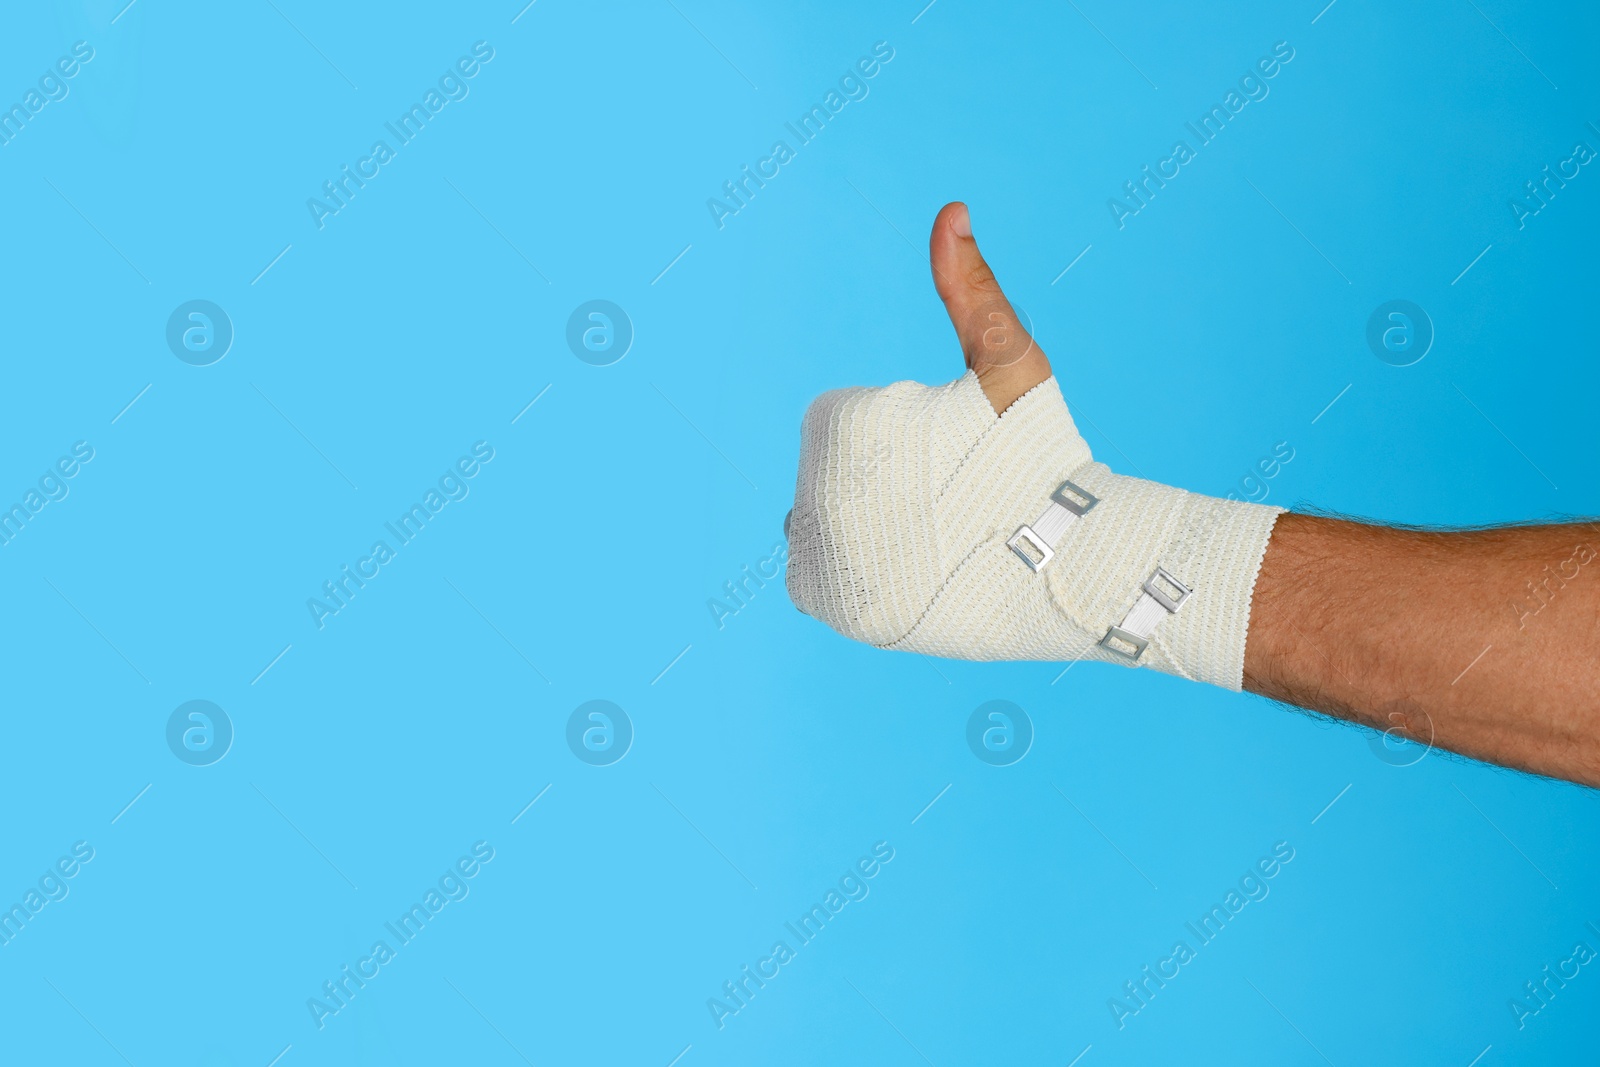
{"points": [[1035, 544], [1163, 594]]}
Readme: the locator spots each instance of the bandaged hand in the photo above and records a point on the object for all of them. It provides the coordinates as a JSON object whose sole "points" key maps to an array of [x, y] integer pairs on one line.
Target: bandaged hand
{"points": [[971, 521]]}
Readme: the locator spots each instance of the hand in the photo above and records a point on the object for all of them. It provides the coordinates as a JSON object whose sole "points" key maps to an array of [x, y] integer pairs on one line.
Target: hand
{"points": [[998, 350], [970, 520], [1495, 652]]}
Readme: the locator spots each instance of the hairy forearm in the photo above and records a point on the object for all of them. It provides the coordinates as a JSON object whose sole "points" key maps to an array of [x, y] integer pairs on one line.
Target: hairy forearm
{"points": [[907, 534], [1486, 643]]}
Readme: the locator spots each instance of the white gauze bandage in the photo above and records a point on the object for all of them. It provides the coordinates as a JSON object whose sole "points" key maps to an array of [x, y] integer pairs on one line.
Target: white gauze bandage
{"points": [[924, 522]]}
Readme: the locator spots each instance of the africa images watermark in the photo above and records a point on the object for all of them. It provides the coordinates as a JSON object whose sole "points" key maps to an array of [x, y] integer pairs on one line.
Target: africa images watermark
{"points": [[1253, 888], [1253, 486], [852, 85], [852, 887], [52, 88], [1536, 196], [452, 86], [452, 485], [337, 993], [1253, 84], [1538, 995], [52, 486], [1540, 594], [52, 886], [739, 592]]}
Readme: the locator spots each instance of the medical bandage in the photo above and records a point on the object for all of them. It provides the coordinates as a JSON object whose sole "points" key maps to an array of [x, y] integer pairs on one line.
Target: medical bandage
{"points": [[923, 522]]}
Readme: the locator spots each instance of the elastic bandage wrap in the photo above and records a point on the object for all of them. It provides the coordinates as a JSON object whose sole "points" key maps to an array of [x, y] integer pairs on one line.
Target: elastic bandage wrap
{"points": [[908, 495]]}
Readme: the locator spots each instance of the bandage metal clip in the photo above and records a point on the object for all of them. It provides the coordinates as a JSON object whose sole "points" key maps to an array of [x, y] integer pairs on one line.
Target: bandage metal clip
{"points": [[1163, 595], [1035, 544]]}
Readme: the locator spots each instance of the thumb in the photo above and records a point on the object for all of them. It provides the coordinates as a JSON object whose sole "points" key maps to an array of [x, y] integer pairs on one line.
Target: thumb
{"points": [[996, 347]]}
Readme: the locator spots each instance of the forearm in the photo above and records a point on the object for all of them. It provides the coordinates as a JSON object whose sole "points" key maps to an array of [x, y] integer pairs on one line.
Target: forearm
{"points": [[1486, 643], [914, 528]]}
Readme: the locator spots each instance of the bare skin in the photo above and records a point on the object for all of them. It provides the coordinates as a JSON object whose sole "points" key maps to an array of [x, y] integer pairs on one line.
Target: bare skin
{"points": [[1482, 642]]}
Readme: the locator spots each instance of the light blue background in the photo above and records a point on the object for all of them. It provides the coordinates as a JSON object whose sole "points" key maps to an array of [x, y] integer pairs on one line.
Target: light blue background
{"points": [[427, 714]]}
